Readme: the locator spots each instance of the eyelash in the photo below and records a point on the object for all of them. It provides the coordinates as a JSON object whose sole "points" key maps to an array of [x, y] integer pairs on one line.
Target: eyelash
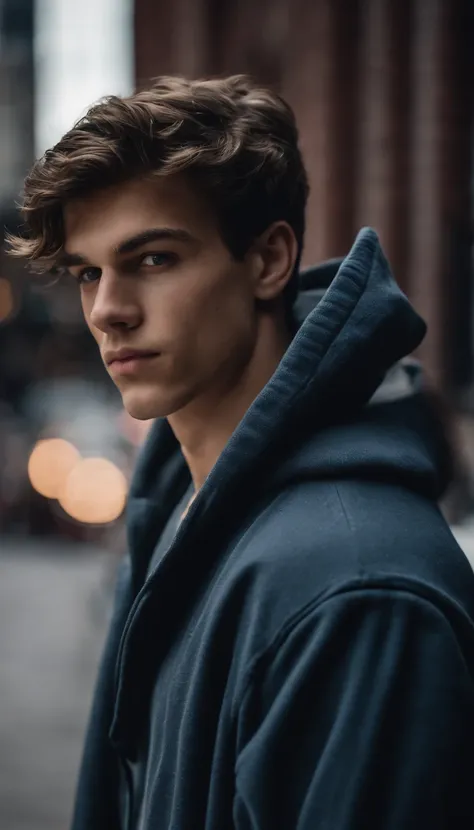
{"points": [[168, 256]]}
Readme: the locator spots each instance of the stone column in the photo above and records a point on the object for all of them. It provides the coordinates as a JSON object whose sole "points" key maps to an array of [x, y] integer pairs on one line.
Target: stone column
{"points": [[171, 38], [383, 127], [435, 144], [320, 81], [248, 37]]}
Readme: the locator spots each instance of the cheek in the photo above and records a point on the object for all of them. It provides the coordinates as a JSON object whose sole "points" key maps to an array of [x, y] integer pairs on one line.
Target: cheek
{"points": [[220, 319], [200, 301]]}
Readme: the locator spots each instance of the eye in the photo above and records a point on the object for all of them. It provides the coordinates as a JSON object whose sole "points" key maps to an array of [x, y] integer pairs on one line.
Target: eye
{"points": [[88, 275], [156, 260]]}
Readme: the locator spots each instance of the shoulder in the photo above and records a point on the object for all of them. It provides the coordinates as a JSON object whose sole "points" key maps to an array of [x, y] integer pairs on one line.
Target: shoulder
{"points": [[332, 532], [319, 539]]}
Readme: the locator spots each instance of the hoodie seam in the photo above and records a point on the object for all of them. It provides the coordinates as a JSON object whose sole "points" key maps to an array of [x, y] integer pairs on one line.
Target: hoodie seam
{"points": [[343, 508], [361, 571]]}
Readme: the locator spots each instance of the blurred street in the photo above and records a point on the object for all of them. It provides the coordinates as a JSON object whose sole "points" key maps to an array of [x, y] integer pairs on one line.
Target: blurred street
{"points": [[52, 620]]}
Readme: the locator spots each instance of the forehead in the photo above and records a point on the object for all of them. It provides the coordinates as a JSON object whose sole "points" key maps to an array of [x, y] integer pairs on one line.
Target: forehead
{"points": [[96, 224]]}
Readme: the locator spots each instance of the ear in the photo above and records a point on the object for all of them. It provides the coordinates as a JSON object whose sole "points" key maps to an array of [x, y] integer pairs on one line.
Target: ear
{"points": [[274, 254]]}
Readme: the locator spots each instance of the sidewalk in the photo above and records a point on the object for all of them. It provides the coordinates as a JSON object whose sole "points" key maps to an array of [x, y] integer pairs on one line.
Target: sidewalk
{"points": [[465, 538], [51, 634]]}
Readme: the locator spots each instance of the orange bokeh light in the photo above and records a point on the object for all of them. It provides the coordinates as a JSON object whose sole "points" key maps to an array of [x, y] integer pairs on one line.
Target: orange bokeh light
{"points": [[50, 464], [94, 492]]}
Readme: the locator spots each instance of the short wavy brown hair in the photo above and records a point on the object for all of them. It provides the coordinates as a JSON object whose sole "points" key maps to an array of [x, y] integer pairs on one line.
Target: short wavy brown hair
{"points": [[237, 141]]}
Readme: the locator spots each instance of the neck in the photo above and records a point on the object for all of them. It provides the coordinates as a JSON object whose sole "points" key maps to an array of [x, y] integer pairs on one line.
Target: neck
{"points": [[204, 427]]}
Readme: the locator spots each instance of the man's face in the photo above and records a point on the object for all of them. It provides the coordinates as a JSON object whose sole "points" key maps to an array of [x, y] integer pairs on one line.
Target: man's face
{"points": [[155, 276]]}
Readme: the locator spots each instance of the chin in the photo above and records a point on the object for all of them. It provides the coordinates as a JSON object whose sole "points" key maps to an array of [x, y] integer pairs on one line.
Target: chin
{"points": [[144, 405]]}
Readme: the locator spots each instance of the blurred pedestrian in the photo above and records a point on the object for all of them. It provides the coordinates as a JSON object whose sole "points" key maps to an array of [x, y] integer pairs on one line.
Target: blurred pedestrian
{"points": [[292, 644]]}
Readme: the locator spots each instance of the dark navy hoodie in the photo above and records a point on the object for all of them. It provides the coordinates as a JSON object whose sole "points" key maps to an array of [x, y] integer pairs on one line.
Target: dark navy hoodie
{"points": [[307, 639]]}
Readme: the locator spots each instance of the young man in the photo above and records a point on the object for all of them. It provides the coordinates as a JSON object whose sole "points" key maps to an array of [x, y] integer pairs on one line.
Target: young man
{"points": [[293, 638]]}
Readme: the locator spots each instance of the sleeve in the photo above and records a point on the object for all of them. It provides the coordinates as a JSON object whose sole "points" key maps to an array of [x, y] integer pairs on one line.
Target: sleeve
{"points": [[360, 718]]}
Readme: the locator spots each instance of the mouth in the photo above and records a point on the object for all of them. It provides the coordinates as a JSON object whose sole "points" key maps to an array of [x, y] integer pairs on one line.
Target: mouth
{"points": [[131, 364]]}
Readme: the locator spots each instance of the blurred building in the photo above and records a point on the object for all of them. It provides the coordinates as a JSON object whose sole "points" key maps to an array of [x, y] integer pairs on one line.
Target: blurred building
{"points": [[56, 58], [16, 95], [16, 153], [383, 95]]}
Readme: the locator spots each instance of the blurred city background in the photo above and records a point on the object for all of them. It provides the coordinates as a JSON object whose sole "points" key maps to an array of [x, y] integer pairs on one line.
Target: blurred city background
{"points": [[383, 93]]}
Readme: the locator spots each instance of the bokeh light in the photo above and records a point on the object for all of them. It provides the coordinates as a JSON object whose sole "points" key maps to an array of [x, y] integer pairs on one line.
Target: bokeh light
{"points": [[50, 464], [95, 491], [7, 303]]}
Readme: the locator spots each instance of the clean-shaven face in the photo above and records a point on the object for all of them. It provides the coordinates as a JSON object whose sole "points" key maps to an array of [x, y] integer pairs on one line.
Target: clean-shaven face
{"points": [[172, 311]]}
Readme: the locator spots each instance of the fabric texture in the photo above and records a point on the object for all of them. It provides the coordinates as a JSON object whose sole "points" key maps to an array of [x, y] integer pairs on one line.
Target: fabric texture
{"points": [[302, 656]]}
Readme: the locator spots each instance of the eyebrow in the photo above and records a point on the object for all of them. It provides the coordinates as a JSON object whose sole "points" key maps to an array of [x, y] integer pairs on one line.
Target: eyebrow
{"points": [[130, 245], [153, 235], [66, 259]]}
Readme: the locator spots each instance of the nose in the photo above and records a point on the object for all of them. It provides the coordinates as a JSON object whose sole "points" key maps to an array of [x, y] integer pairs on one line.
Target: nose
{"points": [[114, 304]]}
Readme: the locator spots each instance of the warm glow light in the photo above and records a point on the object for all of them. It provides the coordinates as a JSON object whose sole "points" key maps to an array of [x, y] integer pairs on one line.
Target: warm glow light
{"points": [[50, 464], [6, 299], [95, 491]]}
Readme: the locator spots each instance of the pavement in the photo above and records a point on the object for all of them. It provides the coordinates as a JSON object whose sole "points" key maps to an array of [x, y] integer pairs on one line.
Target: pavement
{"points": [[465, 538], [53, 617], [54, 605]]}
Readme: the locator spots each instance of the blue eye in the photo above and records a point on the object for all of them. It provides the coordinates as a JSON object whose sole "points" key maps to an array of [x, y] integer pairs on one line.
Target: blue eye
{"points": [[88, 275], [156, 260]]}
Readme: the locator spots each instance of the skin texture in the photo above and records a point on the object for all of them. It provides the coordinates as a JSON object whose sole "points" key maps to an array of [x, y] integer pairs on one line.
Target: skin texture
{"points": [[217, 325]]}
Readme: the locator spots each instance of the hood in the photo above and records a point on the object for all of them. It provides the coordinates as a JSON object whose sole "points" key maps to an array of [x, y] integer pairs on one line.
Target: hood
{"points": [[398, 435], [340, 404]]}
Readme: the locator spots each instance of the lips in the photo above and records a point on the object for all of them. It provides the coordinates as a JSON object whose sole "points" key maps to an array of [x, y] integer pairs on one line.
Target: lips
{"points": [[124, 356], [130, 363]]}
